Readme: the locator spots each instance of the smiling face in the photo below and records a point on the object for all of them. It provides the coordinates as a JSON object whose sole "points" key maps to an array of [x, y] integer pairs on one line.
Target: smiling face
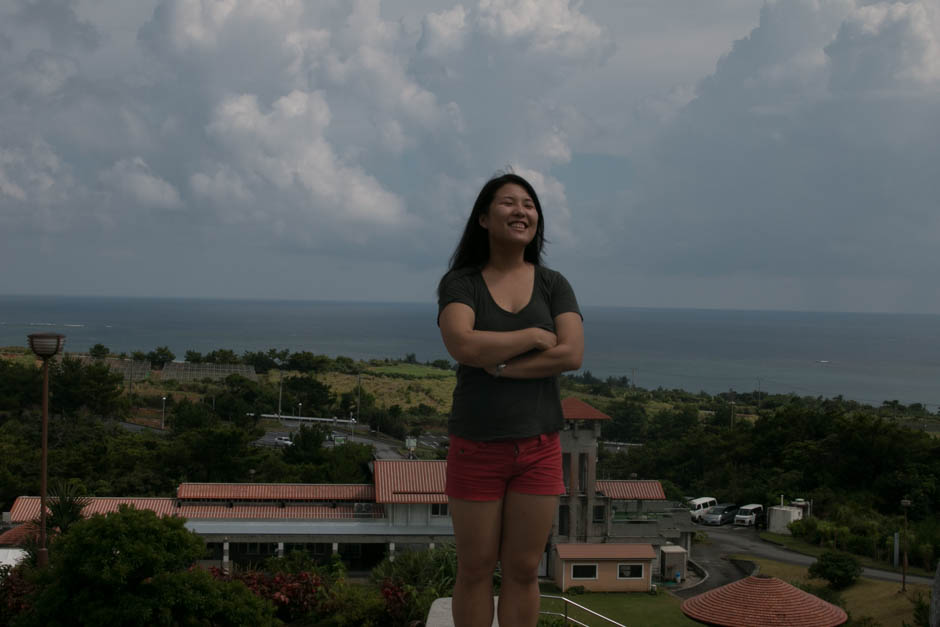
{"points": [[512, 216]]}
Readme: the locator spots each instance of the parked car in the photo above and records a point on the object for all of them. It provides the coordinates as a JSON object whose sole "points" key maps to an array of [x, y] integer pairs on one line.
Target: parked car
{"points": [[747, 515], [283, 440], [701, 506], [721, 514]]}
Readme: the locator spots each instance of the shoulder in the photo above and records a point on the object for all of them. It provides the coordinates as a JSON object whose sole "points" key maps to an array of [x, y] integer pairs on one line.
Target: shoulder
{"points": [[460, 285], [462, 276], [548, 277]]}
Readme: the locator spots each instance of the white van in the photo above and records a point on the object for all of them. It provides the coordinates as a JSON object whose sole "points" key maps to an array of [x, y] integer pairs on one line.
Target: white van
{"points": [[748, 514], [700, 506]]}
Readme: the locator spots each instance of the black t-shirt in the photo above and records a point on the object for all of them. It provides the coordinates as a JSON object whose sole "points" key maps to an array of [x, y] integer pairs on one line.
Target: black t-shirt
{"points": [[496, 408]]}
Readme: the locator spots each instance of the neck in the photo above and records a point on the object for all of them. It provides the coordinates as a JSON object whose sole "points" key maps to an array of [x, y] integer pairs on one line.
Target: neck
{"points": [[505, 259]]}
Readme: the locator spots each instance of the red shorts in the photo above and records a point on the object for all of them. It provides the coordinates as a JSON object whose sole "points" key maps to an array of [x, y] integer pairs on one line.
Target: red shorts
{"points": [[484, 471]]}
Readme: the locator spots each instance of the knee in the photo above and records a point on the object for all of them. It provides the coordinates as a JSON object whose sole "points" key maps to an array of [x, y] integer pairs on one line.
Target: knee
{"points": [[476, 568], [520, 570]]}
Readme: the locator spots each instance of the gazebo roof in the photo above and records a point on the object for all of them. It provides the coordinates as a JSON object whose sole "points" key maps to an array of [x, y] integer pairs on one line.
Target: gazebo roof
{"points": [[762, 600]]}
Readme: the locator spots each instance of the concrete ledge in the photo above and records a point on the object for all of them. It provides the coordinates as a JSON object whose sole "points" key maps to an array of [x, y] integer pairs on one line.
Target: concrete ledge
{"points": [[441, 616]]}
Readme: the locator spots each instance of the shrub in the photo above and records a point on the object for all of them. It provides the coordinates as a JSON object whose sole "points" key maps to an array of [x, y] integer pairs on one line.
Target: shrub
{"points": [[15, 590], [295, 595], [410, 584], [839, 569], [576, 590]]}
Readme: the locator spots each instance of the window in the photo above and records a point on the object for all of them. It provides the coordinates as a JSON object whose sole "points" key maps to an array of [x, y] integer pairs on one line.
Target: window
{"points": [[566, 470], [584, 571], [562, 520], [438, 509], [629, 571], [600, 513], [582, 472]]}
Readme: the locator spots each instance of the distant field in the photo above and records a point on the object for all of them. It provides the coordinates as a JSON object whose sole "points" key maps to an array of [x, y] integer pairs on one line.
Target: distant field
{"points": [[880, 600], [413, 370], [433, 391]]}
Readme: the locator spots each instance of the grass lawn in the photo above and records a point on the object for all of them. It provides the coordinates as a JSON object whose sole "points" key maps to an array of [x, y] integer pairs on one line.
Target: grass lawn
{"points": [[625, 608], [795, 544], [881, 600]]}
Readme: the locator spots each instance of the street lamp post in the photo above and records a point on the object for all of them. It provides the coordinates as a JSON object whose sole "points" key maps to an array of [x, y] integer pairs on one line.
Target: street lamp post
{"points": [[905, 503], [300, 409], [44, 345], [163, 415]]}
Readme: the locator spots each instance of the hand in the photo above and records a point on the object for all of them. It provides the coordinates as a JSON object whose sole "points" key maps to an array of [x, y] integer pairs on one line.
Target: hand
{"points": [[544, 340]]}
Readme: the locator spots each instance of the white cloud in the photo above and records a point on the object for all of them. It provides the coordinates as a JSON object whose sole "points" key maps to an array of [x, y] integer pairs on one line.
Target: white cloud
{"points": [[336, 129], [552, 27], [444, 33], [43, 75], [286, 147], [132, 178], [885, 46]]}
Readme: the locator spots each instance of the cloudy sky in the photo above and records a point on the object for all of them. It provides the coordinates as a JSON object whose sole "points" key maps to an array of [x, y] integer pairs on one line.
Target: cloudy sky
{"points": [[730, 153]]}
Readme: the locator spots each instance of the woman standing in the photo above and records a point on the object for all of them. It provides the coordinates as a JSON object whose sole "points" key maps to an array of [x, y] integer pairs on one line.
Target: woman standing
{"points": [[513, 326]]}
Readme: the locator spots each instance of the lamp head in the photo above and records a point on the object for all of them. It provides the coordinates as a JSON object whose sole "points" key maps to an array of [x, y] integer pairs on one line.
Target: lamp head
{"points": [[45, 345]]}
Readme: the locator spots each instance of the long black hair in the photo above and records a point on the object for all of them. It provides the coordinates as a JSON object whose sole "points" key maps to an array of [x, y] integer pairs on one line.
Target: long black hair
{"points": [[473, 250]]}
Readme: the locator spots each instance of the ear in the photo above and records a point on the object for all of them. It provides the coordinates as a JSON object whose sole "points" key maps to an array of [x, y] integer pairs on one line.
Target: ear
{"points": [[484, 219]]}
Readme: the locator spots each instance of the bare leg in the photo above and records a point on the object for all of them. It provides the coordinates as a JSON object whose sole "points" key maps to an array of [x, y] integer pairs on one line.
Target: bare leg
{"points": [[527, 521], [476, 530]]}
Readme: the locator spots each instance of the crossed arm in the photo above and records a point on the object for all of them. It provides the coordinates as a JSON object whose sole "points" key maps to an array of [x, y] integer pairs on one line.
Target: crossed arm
{"points": [[557, 353]]}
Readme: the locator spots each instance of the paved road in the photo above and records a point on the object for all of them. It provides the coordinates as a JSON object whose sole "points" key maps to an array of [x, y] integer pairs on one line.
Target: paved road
{"points": [[383, 448], [730, 540]]}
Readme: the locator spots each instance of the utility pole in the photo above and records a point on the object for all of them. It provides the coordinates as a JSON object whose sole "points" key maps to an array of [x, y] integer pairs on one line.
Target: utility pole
{"points": [[633, 378], [758, 396], [732, 409], [358, 395]]}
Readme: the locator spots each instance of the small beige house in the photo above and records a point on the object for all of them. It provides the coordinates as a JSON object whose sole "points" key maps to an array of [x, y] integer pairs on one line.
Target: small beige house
{"points": [[604, 567]]}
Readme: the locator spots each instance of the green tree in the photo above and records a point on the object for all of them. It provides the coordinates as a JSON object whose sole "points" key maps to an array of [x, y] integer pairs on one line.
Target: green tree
{"points": [[130, 568], [839, 569], [193, 357], [222, 356], [73, 385], [66, 504], [629, 422], [99, 351], [20, 386], [307, 447], [306, 361], [187, 416], [160, 356], [316, 396], [261, 361]]}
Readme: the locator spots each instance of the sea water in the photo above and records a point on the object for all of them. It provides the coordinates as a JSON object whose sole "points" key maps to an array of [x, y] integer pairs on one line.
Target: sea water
{"points": [[866, 357]]}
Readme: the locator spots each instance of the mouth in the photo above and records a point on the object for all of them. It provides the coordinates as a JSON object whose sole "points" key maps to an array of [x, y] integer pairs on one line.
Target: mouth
{"points": [[518, 225]]}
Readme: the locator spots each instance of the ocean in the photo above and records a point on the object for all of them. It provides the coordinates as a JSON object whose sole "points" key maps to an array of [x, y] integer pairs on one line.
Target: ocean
{"points": [[865, 357]]}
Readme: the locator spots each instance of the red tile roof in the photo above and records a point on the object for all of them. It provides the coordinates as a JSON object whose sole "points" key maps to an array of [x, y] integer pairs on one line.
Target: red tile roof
{"points": [[410, 481], [762, 600], [274, 512], [580, 551], [276, 491], [18, 535], [26, 508], [631, 490], [576, 409]]}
